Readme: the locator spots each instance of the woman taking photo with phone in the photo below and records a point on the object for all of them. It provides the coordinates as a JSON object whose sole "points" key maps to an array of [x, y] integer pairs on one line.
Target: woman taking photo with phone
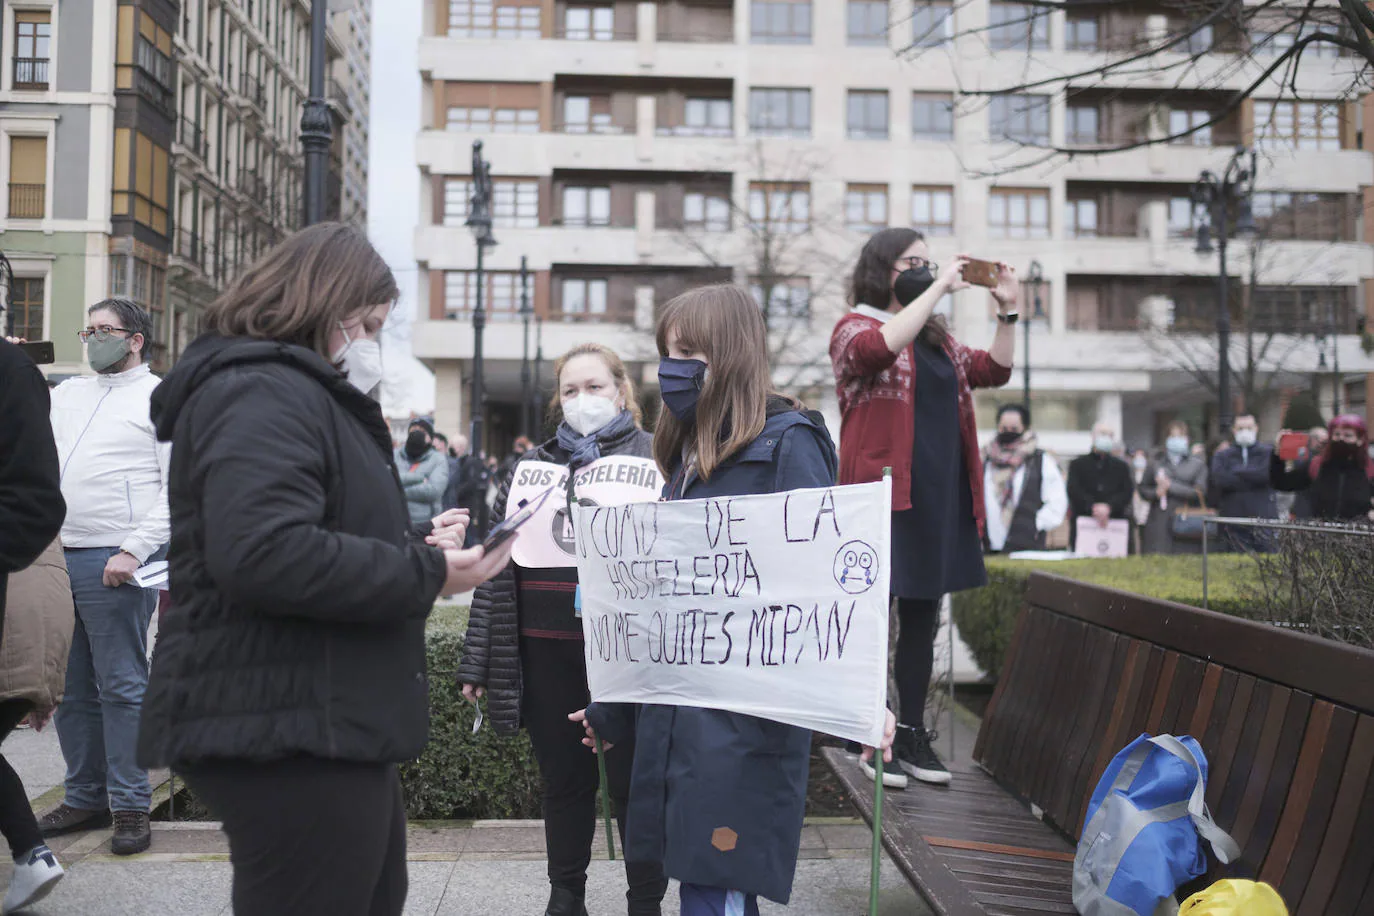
{"points": [[1339, 480], [906, 402], [704, 775], [289, 679], [524, 644]]}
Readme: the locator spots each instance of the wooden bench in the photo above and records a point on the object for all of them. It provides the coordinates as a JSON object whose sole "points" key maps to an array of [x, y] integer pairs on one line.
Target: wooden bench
{"points": [[1286, 720]]}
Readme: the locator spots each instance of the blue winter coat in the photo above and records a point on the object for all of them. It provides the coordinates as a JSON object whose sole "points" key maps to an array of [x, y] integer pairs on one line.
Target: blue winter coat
{"points": [[1241, 479], [697, 770]]}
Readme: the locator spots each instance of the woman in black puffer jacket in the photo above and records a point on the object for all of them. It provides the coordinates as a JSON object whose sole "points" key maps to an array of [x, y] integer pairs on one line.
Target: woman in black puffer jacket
{"points": [[524, 642], [289, 679]]}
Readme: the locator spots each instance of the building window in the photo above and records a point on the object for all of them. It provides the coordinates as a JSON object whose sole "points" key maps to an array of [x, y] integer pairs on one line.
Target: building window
{"points": [[500, 300], [1269, 43], [780, 22], [584, 296], [1200, 40], [932, 23], [867, 114], [586, 206], [1313, 217], [487, 19], [1182, 121], [789, 298], [1081, 126], [780, 112], [24, 317], [932, 211], [1019, 213], [28, 177], [1080, 33], [780, 208], [932, 116], [1180, 217], [1014, 26], [865, 207], [1297, 125], [462, 119], [583, 114], [1080, 218], [867, 22], [32, 49], [589, 23], [514, 203], [143, 58], [706, 211], [706, 118], [140, 180], [1020, 118]]}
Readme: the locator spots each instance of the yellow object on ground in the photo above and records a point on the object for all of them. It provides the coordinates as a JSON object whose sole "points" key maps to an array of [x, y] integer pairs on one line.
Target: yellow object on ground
{"points": [[1234, 897]]}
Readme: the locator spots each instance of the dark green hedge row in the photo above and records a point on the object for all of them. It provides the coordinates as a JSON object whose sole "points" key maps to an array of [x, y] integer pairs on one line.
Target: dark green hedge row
{"points": [[986, 617]]}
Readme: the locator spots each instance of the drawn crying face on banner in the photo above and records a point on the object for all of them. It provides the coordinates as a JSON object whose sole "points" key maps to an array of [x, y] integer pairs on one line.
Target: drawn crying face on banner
{"points": [[856, 567]]}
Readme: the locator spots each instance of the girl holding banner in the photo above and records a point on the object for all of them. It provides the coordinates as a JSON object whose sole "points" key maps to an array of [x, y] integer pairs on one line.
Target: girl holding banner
{"points": [[719, 796], [524, 641], [906, 402]]}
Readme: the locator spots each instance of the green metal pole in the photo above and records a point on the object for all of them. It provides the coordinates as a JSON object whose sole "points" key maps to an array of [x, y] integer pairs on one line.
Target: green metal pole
{"points": [[875, 875], [605, 799]]}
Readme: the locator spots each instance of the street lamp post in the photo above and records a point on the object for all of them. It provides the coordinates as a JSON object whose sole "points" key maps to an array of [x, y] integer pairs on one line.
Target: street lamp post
{"points": [[535, 395], [316, 124], [1223, 200], [479, 220], [526, 416], [1036, 277]]}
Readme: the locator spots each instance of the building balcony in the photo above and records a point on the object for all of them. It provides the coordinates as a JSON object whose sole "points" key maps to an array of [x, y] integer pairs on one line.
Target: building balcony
{"points": [[31, 74], [254, 92], [443, 339], [254, 187], [28, 201], [452, 247], [192, 138], [450, 152]]}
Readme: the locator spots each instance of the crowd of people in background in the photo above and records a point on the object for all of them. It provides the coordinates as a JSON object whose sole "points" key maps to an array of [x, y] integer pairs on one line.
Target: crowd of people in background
{"points": [[307, 548]]}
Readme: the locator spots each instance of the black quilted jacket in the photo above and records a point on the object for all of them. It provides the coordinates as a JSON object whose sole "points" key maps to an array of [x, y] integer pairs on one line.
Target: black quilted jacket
{"points": [[491, 649]]}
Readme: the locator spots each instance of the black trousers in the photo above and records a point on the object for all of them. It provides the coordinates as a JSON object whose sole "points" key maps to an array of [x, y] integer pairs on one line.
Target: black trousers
{"points": [[309, 837], [919, 622], [17, 822], [555, 682]]}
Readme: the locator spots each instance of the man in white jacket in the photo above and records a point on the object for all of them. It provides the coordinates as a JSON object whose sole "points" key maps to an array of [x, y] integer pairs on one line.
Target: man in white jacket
{"points": [[114, 479]]}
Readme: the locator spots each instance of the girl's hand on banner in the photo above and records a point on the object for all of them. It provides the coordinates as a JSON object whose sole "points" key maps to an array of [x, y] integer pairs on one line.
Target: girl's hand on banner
{"points": [[580, 717], [473, 692], [450, 528], [889, 735]]}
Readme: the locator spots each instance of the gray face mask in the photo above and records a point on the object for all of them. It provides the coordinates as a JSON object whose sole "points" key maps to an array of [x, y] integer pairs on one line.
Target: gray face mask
{"points": [[104, 354]]}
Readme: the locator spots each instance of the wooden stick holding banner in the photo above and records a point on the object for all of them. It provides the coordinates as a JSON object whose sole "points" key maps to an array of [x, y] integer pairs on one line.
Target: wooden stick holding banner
{"points": [[875, 873]]}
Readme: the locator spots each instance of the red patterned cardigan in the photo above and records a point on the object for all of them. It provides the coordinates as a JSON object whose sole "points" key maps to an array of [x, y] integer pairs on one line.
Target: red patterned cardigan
{"points": [[877, 392]]}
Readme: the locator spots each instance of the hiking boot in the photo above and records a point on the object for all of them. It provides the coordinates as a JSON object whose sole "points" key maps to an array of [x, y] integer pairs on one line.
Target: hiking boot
{"points": [[132, 834], [894, 777], [65, 819], [913, 750], [36, 873], [563, 902]]}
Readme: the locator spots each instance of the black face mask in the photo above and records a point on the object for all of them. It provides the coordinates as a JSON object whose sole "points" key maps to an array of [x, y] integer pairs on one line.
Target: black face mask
{"points": [[910, 283], [1008, 438], [416, 444], [1344, 452]]}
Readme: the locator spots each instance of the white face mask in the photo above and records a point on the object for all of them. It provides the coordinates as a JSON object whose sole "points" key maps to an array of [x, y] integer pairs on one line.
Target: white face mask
{"points": [[1245, 438], [362, 361], [1140, 462], [587, 413], [1104, 444]]}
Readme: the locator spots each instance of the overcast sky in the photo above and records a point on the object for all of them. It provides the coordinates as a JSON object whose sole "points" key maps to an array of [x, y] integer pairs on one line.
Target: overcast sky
{"points": [[394, 187]]}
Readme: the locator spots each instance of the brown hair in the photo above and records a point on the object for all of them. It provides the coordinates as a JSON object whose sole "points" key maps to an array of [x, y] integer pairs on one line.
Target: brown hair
{"points": [[724, 323], [623, 383], [299, 291], [1179, 425], [871, 282]]}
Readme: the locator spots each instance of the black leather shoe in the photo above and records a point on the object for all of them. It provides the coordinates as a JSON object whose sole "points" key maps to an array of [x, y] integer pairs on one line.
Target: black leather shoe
{"points": [[132, 834], [65, 819], [563, 902]]}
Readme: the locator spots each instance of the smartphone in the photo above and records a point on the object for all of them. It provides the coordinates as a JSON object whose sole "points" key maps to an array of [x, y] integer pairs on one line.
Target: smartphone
{"points": [[981, 273], [1292, 446], [506, 530], [40, 351]]}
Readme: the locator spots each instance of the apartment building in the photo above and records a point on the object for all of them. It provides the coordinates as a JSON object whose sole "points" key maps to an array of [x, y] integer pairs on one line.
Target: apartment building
{"points": [[350, 92], [151, 150], [640, 148]]}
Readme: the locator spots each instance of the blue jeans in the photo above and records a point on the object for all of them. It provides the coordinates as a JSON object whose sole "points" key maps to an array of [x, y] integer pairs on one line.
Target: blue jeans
{"points": [[698, 900], [107, 672]]}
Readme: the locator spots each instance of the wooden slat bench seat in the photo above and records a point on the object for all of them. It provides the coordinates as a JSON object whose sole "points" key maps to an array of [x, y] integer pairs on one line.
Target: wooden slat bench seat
{"points": [[1286, 720]]}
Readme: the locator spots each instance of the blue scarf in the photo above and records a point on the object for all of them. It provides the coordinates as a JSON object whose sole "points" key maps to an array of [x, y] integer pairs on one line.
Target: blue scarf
{"points": [[586, 449]]}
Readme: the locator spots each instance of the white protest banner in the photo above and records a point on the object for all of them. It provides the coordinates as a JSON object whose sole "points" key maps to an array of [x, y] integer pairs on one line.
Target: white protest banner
{"points": [[546, 540], [772, 605], [1095, 541]]}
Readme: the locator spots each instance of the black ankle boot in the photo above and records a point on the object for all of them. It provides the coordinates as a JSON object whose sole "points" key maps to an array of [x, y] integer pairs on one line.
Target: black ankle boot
{"points": [[563, 902]]}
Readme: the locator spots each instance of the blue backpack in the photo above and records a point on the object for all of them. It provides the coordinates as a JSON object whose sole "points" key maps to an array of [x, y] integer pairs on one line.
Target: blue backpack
{"points": [[1143, 837]]}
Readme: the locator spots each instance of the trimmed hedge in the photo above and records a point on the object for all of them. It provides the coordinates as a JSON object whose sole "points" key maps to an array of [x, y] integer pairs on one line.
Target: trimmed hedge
{"points": [[460, 775], [986, 617]]}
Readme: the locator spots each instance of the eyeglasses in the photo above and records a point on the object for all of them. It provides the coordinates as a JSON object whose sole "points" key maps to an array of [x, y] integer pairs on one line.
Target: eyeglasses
{"points": [[101, 333], [915, 263]]}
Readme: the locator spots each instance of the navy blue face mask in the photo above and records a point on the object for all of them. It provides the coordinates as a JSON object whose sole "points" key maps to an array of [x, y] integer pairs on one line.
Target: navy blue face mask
{"points": [[680, 381], [910, 283]]}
